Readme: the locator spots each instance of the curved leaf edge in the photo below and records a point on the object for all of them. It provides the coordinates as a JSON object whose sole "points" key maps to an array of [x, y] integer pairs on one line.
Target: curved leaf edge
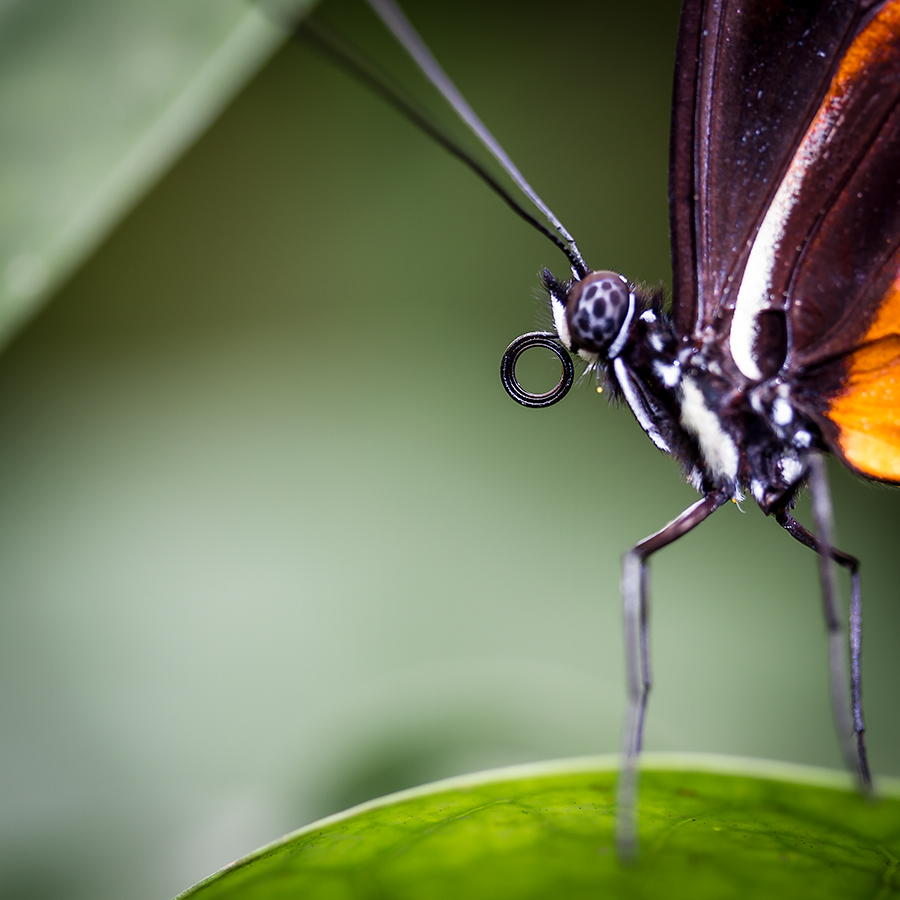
{"points": [[707, 763]]}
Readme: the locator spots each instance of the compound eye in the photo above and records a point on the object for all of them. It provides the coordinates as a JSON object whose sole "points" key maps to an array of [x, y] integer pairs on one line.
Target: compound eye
{"points": [[596, 308]]}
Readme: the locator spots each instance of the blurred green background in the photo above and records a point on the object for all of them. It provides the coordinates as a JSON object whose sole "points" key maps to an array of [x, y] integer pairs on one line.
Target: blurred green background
{"points": [[273, 539]]}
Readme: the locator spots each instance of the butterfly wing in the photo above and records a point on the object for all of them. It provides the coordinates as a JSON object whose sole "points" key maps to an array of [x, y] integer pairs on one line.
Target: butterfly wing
{"points": [[748, 80], [845, 287], [786, 205]]}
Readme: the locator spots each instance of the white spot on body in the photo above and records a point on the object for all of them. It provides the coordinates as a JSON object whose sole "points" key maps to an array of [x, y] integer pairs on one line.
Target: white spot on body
{"points": [[719, 451], [616, 347], [791, 469], [782, 412], [802, 439], [560, 323], [758, 490], [670, 375], [637, 405]]}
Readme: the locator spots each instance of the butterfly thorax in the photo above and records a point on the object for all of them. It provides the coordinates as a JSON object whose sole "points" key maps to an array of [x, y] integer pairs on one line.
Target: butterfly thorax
{"points": [[730, 434]]}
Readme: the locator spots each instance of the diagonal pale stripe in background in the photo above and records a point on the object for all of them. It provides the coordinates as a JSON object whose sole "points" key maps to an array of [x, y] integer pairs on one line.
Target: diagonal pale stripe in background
{"points": [[97, 99]]}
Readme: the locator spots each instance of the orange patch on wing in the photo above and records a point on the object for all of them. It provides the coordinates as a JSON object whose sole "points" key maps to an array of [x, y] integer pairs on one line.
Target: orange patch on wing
{"points": [[867, 409], [876, 42]]}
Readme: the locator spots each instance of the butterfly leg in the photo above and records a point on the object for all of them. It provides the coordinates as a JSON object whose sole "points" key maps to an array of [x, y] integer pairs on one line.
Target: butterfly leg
{"points": [[849, 721], [637, 659]]}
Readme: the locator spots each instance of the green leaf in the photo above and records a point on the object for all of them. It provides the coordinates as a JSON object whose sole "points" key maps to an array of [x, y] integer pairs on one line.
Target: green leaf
{"points": [[97, 99], [710, 828]]}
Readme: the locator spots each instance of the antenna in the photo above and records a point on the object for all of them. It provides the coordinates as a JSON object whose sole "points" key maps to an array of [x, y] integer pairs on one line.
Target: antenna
{"points": [[392, 16], [354, 61]]}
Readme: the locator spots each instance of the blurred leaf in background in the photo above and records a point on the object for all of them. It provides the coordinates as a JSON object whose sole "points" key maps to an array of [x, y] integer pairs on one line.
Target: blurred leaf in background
{"points": [[97, 98], [273, 539]]}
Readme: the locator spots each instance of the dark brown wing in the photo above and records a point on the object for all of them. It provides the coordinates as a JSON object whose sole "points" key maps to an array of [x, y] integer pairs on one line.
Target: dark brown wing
{"points": [[749, 78], [838, 259], [841, 226], [786, 202]]}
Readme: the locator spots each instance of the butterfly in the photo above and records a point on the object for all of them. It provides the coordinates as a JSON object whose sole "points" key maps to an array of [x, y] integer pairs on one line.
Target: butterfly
{"points": [[782, 340]]}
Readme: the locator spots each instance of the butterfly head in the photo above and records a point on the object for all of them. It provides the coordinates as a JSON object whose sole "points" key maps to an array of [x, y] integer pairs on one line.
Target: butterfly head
{"points": [[593, 315]]}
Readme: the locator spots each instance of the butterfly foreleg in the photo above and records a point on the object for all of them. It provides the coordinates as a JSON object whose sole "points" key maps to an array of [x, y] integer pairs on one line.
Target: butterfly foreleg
{"points": [[635, 597]]}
